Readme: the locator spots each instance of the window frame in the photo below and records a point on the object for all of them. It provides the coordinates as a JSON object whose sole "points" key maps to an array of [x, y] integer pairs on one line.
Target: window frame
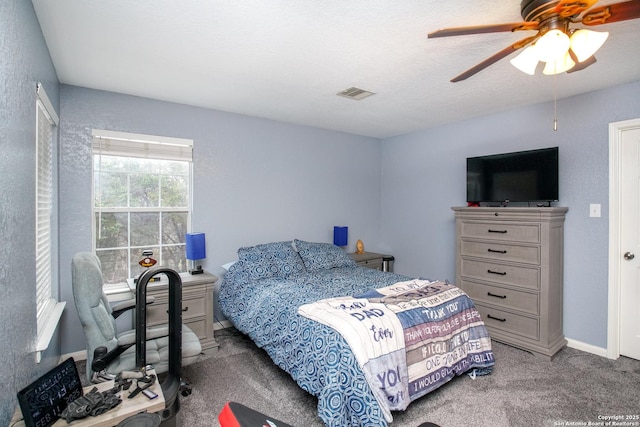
{"points": [[133, 145]]}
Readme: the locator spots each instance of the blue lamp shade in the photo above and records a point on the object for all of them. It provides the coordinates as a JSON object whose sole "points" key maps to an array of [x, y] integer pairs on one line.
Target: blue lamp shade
{"points": [[340, 236], [196, 246]]}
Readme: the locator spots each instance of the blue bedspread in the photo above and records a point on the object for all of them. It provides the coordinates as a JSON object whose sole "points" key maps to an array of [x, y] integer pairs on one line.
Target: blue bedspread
{"points": [[316, 356]]}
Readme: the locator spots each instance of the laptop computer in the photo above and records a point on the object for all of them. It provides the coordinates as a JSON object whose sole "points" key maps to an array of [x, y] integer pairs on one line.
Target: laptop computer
{"points": [[43, 400]]}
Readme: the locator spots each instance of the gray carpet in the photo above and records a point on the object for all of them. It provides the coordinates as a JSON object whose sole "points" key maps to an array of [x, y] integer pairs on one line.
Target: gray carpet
{"points": [[574, 389]]}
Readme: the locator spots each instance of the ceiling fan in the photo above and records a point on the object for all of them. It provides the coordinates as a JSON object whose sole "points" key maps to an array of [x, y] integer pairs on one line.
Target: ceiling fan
{"points": [[561, 47]]}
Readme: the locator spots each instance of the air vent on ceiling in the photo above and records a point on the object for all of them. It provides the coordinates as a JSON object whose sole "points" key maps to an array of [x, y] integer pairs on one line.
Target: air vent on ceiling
{"points": [[355, 93]]}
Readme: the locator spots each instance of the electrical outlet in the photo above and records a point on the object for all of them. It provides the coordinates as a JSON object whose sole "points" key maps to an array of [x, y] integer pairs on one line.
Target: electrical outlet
{"points": [[594, 210]]}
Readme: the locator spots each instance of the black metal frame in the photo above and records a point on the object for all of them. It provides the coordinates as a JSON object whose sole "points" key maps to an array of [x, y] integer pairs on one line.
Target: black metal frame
{"points": [[172, 382]]}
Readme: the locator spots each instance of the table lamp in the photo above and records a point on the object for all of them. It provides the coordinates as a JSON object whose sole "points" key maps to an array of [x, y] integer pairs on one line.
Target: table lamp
{"points": [[340, 236], [196, 251]]}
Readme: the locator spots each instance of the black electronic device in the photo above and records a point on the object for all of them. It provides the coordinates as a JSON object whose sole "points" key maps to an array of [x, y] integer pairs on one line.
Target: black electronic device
{"points": [[523, 176], [42, 401]]}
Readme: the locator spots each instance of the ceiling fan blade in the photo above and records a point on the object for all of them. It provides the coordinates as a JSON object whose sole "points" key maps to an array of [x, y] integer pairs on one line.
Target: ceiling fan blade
{"points": [[494, 58], [568, 8], [481, 29], [612, 13], [581, 65]]}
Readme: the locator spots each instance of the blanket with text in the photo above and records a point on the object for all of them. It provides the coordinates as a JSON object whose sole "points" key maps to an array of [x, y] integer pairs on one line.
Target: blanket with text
{"points": [[409, 338]]}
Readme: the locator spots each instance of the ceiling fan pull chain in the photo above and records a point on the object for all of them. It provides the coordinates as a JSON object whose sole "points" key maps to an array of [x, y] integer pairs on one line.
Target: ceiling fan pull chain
{"points": [[555, 103]]}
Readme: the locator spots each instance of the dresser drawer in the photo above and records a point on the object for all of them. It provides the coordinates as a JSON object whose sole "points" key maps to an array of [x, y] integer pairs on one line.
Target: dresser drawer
{"points": [[509, 322], [159, 312], [502, 297], [524, 277], [502, 231], [501, 251]]}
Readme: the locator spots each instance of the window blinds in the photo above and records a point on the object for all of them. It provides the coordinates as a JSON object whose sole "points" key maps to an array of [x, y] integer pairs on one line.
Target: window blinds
{"points": [[46, 119], [138, 145]]}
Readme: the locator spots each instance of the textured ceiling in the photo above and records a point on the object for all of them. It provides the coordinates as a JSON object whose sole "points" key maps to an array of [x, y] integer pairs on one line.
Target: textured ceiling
{"points": [[286, 59]]}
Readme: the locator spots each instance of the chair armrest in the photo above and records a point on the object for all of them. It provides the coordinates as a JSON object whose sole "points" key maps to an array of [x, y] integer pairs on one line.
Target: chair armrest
{"points": [[123, 306]]}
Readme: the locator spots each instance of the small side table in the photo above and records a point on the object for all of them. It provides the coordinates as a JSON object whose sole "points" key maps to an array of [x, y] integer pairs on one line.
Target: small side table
{"points": [[124, 410], [374, 260]]}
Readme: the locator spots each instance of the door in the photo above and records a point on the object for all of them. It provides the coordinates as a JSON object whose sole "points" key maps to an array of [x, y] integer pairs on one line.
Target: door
{"points": [[630, 242]]}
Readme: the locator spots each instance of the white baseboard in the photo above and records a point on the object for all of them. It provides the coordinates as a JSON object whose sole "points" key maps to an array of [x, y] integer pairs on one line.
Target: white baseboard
{"points": [[578, 345], [78, 355]]}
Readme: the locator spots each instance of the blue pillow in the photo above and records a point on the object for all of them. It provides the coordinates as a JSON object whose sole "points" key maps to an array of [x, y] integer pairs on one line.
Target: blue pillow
{"points": [[277, 259], [322, 256]]}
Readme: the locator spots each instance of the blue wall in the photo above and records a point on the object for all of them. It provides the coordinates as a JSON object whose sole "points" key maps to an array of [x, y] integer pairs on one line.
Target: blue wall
{"points": [[255, 180], [424, 175], [24, 61]]}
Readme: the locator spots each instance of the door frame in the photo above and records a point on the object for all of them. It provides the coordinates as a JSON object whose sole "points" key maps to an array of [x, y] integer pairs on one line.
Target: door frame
{"points": [[615, 232]]}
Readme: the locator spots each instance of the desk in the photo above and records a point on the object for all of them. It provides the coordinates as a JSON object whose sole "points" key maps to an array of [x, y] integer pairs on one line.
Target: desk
{"points": [[127, 408]]}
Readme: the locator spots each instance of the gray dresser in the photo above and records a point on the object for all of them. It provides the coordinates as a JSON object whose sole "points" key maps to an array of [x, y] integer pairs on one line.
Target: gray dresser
{"points": [[510, 262]]}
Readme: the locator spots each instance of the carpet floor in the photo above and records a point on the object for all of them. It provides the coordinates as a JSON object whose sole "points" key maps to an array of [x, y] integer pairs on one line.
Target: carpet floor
{"points": [[575, 389]]}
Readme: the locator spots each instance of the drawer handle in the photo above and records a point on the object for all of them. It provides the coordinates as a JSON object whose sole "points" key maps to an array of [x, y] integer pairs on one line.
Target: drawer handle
{"points": [[495, 251], [496, 318], [183, 310], [496, 295], [501, 273], [497, 231]]}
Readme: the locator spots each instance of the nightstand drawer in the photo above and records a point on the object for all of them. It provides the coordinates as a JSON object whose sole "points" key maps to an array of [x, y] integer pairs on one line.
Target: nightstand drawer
{"points": [[501, 252], [503, 231], [159, 312], [509, 322], [524, 277], [502, 297], [376, 264]]}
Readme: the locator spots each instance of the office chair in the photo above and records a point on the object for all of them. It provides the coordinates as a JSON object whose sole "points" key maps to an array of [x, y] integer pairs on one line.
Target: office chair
{"points": [[117, 352]]}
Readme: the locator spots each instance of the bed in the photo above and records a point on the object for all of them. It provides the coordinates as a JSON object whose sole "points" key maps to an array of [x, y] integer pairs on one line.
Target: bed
{"points": [[364, 342]]}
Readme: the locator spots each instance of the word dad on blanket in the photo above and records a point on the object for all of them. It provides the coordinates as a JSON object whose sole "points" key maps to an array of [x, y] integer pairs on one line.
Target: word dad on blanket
{"points": [[409, 338]]}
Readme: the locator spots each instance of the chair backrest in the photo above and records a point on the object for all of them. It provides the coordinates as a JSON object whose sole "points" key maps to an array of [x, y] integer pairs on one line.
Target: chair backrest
{"points": [[92, 305]]}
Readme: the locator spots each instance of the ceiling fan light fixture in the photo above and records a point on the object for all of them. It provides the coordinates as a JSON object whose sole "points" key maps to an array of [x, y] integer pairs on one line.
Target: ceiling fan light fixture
{"points": [[553, 45], [559, 66], [527, 60], [584, 43]]}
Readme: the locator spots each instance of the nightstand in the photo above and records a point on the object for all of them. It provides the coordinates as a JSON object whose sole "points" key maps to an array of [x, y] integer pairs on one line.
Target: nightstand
{"points": [[197, 306], [373, 260]]}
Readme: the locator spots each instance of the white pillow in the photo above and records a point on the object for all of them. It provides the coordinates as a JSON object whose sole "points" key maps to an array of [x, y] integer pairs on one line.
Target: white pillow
{"points": [[228, 265]]}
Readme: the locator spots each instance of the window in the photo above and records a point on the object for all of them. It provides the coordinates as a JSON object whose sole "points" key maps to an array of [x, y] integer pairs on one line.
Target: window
{"points": [[48, 310], [142, 201]]}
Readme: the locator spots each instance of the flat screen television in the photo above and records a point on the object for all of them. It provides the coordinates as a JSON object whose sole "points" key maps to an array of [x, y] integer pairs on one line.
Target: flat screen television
{"points": [[523, 176]]}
